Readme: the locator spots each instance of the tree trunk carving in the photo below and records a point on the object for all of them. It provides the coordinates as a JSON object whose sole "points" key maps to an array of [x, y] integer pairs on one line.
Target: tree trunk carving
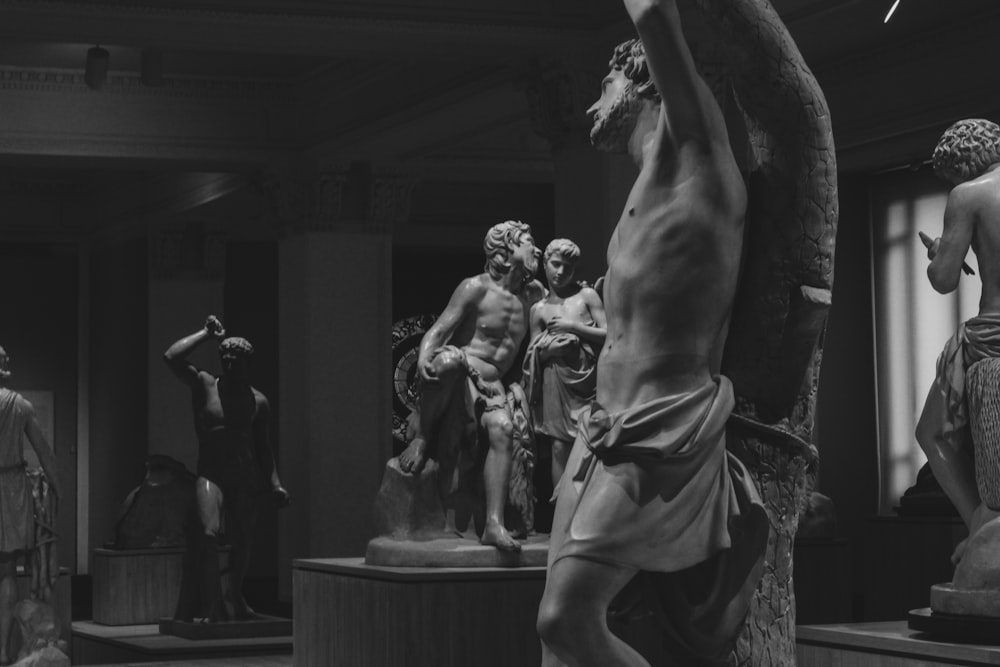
{"points": [[775, 342]]}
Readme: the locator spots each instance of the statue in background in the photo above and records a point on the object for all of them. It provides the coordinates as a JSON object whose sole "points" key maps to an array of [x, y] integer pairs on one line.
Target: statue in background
{"points": [[463, 360], [959, 428], [653, 511], [234, 462], [18, 500], [567, 329]]}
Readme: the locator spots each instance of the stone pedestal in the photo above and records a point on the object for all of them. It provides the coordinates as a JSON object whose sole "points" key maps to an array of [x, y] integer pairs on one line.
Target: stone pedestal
{"points": [[349, 613]]}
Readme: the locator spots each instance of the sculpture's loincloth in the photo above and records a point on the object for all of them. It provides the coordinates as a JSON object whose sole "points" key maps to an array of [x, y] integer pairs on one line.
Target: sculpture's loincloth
{"points": [[558, 393], [654, 489], [975, 340]]}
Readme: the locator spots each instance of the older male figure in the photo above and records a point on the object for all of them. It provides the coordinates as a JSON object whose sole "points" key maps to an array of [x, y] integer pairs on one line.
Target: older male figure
{"points": [[17, 523], [967, 156], [235, 464], [463, 359], [650, 496], [567, 331]]}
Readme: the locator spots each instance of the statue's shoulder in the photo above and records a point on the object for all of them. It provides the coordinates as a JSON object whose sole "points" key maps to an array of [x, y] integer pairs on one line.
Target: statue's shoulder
{"points": [[534, 292], [260, 398]]}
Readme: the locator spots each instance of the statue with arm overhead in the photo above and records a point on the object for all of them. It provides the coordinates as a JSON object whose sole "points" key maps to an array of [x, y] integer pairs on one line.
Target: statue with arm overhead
{"points": [[17, 523], [234, 462], [650, 497], [463, 359], [567, 332]]}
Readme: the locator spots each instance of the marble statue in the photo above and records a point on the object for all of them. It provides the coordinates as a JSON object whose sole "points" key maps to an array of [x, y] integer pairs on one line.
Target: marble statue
{"points": [[235, 465], [472, 422], [567, 330], [18, 504], [958, 428], [651, 499]]}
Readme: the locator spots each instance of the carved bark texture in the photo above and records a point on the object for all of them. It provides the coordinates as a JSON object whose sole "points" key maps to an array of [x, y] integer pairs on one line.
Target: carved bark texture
{"points": [[775, 342]]}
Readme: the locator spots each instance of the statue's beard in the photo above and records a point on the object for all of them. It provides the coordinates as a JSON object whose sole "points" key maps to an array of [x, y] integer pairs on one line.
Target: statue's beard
{"points": [[613, 128]]}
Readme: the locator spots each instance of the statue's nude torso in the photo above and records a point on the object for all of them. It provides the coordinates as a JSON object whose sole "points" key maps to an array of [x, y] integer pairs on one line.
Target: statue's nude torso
{"points": [[224, 422], [673, 262], [493, 331], [572, 308]]}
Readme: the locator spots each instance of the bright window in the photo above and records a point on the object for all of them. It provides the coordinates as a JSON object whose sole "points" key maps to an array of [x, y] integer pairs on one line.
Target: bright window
{"points": [[912, 321]]}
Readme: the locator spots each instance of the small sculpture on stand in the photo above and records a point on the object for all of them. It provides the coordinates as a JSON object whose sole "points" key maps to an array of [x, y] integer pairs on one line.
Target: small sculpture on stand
{"points": [[472, 421], [959, 428], [154, 513], [28, 502], [568, 328], [235, 467]]}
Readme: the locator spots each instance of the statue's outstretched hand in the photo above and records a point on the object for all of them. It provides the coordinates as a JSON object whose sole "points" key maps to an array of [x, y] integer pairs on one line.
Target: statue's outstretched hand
{"points": [[281, 496], [214, 327]]}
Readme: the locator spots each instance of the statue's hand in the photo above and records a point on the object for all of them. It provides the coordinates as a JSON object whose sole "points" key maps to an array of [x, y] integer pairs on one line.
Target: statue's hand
{"points": [[280, 496], [213, 327], [426, 370], [558, 325], [932, 249]]}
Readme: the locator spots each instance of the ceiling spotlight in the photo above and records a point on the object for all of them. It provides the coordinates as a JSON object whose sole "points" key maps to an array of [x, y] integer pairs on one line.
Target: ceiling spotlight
{"points": [[891, 11], [96, 71]]}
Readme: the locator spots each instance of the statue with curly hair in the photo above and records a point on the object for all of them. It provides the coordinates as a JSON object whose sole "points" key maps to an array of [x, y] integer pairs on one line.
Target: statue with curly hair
{"points": [[470, 419], [568, 328], [958, 426], [17, 507], [235, 464]]}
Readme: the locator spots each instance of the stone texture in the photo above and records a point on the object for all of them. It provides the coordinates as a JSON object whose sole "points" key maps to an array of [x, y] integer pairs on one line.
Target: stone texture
{"points": [[408, 507]]}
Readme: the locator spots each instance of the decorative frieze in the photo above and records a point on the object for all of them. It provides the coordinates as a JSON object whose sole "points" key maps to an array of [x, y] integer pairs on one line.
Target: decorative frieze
{"points": [[188, 253]]}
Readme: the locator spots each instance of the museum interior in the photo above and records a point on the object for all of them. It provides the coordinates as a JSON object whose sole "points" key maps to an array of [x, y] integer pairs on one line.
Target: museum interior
{"points": [[319, 175]]}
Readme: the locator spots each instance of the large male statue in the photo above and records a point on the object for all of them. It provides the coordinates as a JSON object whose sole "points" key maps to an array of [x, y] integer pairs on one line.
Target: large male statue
{"points": [[463, 359], [967, 156], [17, 519], [234, 462], [567, 331], [650, 496]]}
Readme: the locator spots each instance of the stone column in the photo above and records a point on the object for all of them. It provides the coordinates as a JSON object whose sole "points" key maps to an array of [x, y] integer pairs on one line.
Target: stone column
{"points": [[335, 264], [590, 186]]}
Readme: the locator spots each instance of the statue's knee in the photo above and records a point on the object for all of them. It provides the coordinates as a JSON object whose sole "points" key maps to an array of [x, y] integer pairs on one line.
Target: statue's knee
{"points": [[447, 364], [552, 623], [499, 427]]}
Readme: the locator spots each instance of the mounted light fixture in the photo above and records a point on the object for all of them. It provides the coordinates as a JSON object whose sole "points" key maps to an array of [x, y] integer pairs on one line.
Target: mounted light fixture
{"points": [[96, 70], [891, 11]]}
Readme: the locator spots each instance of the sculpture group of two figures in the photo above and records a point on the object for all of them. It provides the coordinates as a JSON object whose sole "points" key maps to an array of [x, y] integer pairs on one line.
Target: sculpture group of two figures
{"points": [[680, 496]]}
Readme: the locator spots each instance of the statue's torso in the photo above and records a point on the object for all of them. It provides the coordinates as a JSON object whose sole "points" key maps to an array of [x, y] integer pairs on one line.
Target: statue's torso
{"points": [[496, 330]]}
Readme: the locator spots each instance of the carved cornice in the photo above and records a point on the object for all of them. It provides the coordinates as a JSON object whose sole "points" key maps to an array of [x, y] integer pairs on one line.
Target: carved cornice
{"points": [[25, 79], [327, 202]]}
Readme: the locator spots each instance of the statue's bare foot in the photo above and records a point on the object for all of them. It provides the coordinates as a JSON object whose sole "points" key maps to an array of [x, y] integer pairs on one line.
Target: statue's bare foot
{"points": [[497, 535], [244, 612], [414, 456]]}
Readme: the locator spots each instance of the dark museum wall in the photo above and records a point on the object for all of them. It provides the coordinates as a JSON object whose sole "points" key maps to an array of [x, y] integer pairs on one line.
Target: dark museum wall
{"points": [[39, 331]]}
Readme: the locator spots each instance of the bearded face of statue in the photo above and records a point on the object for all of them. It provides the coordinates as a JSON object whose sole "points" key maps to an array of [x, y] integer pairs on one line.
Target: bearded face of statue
{"points": [[614, 115]]}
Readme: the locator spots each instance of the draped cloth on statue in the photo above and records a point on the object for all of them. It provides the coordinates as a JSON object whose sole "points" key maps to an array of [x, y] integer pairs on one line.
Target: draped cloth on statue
{"points": [[558, 393], [975, 340], [16, 506], [457, 442], [654, 489]]}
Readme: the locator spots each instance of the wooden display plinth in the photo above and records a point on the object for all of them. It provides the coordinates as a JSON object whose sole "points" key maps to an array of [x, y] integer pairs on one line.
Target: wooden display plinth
{"points": [[885, 644], [350, 613], [95, 644], [137, 586]]}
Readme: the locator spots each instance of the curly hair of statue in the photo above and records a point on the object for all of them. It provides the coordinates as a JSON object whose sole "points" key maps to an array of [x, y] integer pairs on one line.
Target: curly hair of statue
{"points": [[569, 251], [982, 390], [236, 346], [967, 149], [4, 365], [500, 241], [630, 58]]}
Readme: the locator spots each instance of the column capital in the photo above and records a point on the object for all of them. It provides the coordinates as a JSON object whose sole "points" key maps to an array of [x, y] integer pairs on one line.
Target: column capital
{"points": [[190, 252]]}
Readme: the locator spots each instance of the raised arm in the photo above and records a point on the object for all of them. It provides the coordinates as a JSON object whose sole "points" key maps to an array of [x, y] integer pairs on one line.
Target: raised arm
{"points": [[686, 99], [462, 301], [948, 252], [42, 449], [176, 355]]}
